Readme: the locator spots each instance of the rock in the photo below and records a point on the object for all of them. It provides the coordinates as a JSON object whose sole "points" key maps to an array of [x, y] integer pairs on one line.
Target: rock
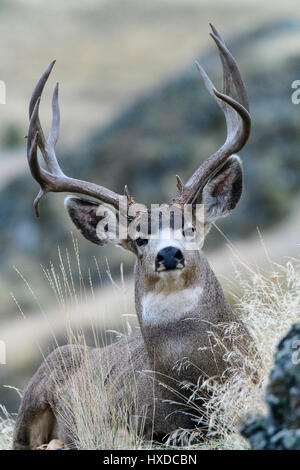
{"points": [[280, 429]]}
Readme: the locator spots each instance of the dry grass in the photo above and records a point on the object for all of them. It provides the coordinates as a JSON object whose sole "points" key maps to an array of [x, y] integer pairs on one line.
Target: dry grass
{"points": [[6, 428], [267, 300], [91, 417], [7, 422], [86, 408], [74, 293], [269, 304]]}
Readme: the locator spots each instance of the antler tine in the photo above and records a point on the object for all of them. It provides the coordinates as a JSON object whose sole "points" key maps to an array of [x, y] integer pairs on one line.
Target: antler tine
{"points": [[231, 73], [51, 159], [37, 92], [36, 172], [47, 147], [221, 98], [40, 86], [54, 180], [32, 142], [54, 131], [237, 117], [32, 145], [227, 78]]}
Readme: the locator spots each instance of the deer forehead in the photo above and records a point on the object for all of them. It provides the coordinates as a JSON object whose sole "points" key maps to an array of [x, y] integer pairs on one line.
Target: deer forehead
{"points": [[169, 237], [165, 306], [165, 238]]}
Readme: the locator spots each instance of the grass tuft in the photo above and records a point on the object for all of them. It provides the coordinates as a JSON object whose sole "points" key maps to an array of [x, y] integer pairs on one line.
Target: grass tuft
{"points": [[269, 304]]}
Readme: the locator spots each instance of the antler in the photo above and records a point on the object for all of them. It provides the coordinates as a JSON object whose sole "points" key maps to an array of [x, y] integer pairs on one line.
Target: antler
{"points": [[237, 119], [53, 179]]}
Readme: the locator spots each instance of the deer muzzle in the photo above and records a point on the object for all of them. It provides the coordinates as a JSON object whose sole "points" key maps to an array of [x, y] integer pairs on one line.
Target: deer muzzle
{"points": [[169, 258]]}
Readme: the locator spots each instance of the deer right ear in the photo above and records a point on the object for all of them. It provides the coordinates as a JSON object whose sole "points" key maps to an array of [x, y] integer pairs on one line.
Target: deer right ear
{"points": [[222, 193], [96, 222]]}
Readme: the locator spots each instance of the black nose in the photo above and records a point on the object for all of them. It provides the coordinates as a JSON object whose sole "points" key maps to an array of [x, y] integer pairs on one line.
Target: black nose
{"points": [[169, 258]]}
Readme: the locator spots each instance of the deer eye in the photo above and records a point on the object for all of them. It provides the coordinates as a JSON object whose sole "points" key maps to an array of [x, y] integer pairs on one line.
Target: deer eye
{"points": [[141, 241]]}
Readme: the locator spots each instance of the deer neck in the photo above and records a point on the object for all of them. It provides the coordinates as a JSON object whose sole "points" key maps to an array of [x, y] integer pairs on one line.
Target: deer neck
{"points": [[174, 317]]}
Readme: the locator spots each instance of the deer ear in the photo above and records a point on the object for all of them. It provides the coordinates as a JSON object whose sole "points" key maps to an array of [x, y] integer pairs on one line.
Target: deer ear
{"points": [[222, 193], [96, 222]]}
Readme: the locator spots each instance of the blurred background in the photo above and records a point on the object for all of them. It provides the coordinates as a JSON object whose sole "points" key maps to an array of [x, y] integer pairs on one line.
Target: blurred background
{"points": [[134, 111]]}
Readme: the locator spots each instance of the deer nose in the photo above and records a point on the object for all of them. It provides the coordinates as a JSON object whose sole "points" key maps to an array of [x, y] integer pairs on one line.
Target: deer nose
{"points": [[169, 258]]}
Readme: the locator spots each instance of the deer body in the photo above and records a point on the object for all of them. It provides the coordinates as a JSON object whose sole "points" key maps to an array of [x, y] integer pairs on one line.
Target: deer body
{"points": [[160, 346], [180, 304]]}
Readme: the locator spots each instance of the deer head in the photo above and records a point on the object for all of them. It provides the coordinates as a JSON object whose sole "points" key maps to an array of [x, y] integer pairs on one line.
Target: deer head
{"points": [[163, 252]]}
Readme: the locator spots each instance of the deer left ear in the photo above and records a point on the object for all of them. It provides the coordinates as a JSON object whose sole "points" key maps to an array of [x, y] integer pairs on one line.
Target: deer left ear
{"points": [[222, 193]]}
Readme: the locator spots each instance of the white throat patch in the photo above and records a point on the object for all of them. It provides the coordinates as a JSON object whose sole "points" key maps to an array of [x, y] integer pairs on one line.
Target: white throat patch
{"points": [[166, 306]]}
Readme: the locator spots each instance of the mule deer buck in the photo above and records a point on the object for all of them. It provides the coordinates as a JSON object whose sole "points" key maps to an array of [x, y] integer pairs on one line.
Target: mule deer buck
{"points": [[179, 301]]}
